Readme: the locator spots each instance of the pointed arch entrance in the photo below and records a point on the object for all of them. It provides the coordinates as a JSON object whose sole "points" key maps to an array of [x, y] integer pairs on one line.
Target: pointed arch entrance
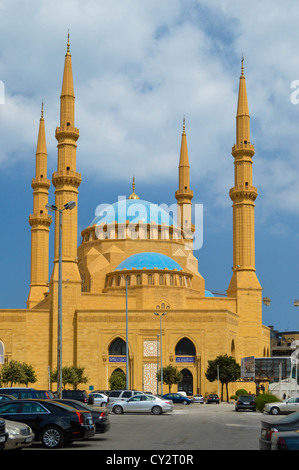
{"points": [[186, 384]]}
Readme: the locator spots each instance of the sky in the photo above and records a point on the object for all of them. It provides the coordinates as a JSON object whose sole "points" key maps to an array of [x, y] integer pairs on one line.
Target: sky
{"points": [[139, 68]]}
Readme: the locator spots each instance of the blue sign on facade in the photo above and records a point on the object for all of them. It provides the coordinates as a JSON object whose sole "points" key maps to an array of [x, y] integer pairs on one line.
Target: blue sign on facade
{"points": [[117, 359], [185, 359]]}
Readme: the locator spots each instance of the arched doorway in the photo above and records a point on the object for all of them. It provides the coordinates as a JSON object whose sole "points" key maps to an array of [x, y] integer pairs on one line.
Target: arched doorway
{"points": [[186, 384], [117, 347]]}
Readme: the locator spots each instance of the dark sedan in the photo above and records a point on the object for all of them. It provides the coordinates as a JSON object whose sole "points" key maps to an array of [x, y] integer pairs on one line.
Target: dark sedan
{"points": [[288, 423], [52, 423], [177, 398], [212, 398], [100, 415]]}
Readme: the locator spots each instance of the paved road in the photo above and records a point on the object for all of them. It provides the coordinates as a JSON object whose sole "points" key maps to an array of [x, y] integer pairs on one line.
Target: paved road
{"points": [[191, 427]]}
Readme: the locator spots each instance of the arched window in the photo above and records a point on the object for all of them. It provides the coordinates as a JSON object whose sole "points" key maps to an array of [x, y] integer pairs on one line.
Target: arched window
{"points": [[138, 278], [185, 347], [117, 347], [150, 279]]}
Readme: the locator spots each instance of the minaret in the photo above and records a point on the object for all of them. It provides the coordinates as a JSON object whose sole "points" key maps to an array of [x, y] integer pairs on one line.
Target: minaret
{"points": [[66, 180], [244, 284], [184, 194], [40, 222], [243, 194]]}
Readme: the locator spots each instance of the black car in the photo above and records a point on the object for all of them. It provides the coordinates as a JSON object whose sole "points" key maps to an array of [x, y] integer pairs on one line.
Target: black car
{"points": [[3, 434], [27, 393], [52, 423], [288, 423], [245, 402], [212, 398], [99, 415], [79, 395]]}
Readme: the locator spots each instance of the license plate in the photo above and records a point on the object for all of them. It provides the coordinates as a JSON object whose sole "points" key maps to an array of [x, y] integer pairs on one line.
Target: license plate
{"points": [[2, 438], [246, 402], [29, 439]]}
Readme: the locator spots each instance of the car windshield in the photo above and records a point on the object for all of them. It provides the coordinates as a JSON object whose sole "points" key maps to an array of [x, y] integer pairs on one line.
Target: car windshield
{"points": [[247, 397]]}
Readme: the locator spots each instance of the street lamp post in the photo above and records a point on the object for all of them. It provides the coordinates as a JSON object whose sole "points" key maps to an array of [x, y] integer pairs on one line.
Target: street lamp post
{"points": [[161, 315], [68, 206]]}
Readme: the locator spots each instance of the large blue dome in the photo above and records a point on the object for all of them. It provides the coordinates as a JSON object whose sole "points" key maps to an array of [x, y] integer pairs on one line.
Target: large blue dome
{"points": [[132, 210], [149, 260]]}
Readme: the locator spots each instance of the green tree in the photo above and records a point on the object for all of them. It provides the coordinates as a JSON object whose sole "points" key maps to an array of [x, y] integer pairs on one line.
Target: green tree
{"points": [[228, 370], [71, 375], [171, 376], [16, 372], [117, 380]]}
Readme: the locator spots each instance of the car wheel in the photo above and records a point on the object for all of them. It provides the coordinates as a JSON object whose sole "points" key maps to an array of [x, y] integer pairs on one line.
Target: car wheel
{"points": [[118, 410], [104, 403], [274, 410], [237, 409], [185, 402], [52, 437], [157, 410]]}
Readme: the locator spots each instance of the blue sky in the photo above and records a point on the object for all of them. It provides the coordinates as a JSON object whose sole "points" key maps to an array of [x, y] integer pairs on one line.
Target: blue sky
{"points": [[139, 67]]}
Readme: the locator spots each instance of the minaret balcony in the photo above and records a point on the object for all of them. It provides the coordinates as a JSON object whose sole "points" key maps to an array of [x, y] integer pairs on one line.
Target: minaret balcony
{"points": [[40, 183], [184, 194], [243, 149], [67, 132], [242, 192], [40, 219], [66, 177]]}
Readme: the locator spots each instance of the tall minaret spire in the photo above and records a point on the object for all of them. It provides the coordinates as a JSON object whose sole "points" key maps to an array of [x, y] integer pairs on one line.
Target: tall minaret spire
{"points": [[40, 221], [243, 194], [244, 285], [184, 194], [66, 180]]}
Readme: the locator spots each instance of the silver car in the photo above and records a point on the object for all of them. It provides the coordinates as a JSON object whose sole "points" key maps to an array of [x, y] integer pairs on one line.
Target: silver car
{"points": [[287, 406], [141, 404], [19, 435], [198, 399], [99, 398]]}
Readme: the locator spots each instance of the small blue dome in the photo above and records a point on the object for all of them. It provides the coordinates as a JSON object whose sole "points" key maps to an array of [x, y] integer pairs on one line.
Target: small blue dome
{"points": [[208, 293], [149, 260], [133, 210]]}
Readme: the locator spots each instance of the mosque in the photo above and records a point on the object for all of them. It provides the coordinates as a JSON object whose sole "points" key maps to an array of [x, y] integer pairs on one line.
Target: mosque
{"points": [[133, 285]]}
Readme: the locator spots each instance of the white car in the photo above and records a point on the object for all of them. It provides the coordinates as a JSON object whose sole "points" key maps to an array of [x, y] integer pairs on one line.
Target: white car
{"points": [[19, 435], [287, 406], [99, 398], [141, 404]]}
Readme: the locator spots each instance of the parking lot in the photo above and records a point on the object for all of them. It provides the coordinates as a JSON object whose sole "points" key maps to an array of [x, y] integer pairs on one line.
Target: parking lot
{"points": [[191, 427]]}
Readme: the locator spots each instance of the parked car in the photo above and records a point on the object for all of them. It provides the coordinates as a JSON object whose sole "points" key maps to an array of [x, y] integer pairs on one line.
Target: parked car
{"points": [[79, 395], [116, 395], [177, 398], [198, 399], [287, 423], [288, 406], [212, 398], [4, 397], [141, 404], [24, 392], [19, 435], [288, 440], [3, 434], [245, 402], [99, 398], [52, 423], [100, 417]]}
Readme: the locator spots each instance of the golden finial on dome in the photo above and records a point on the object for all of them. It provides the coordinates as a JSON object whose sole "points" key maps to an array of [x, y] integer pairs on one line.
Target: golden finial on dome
{"points": [[133, 195], [42, 111], [242, 65]]}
